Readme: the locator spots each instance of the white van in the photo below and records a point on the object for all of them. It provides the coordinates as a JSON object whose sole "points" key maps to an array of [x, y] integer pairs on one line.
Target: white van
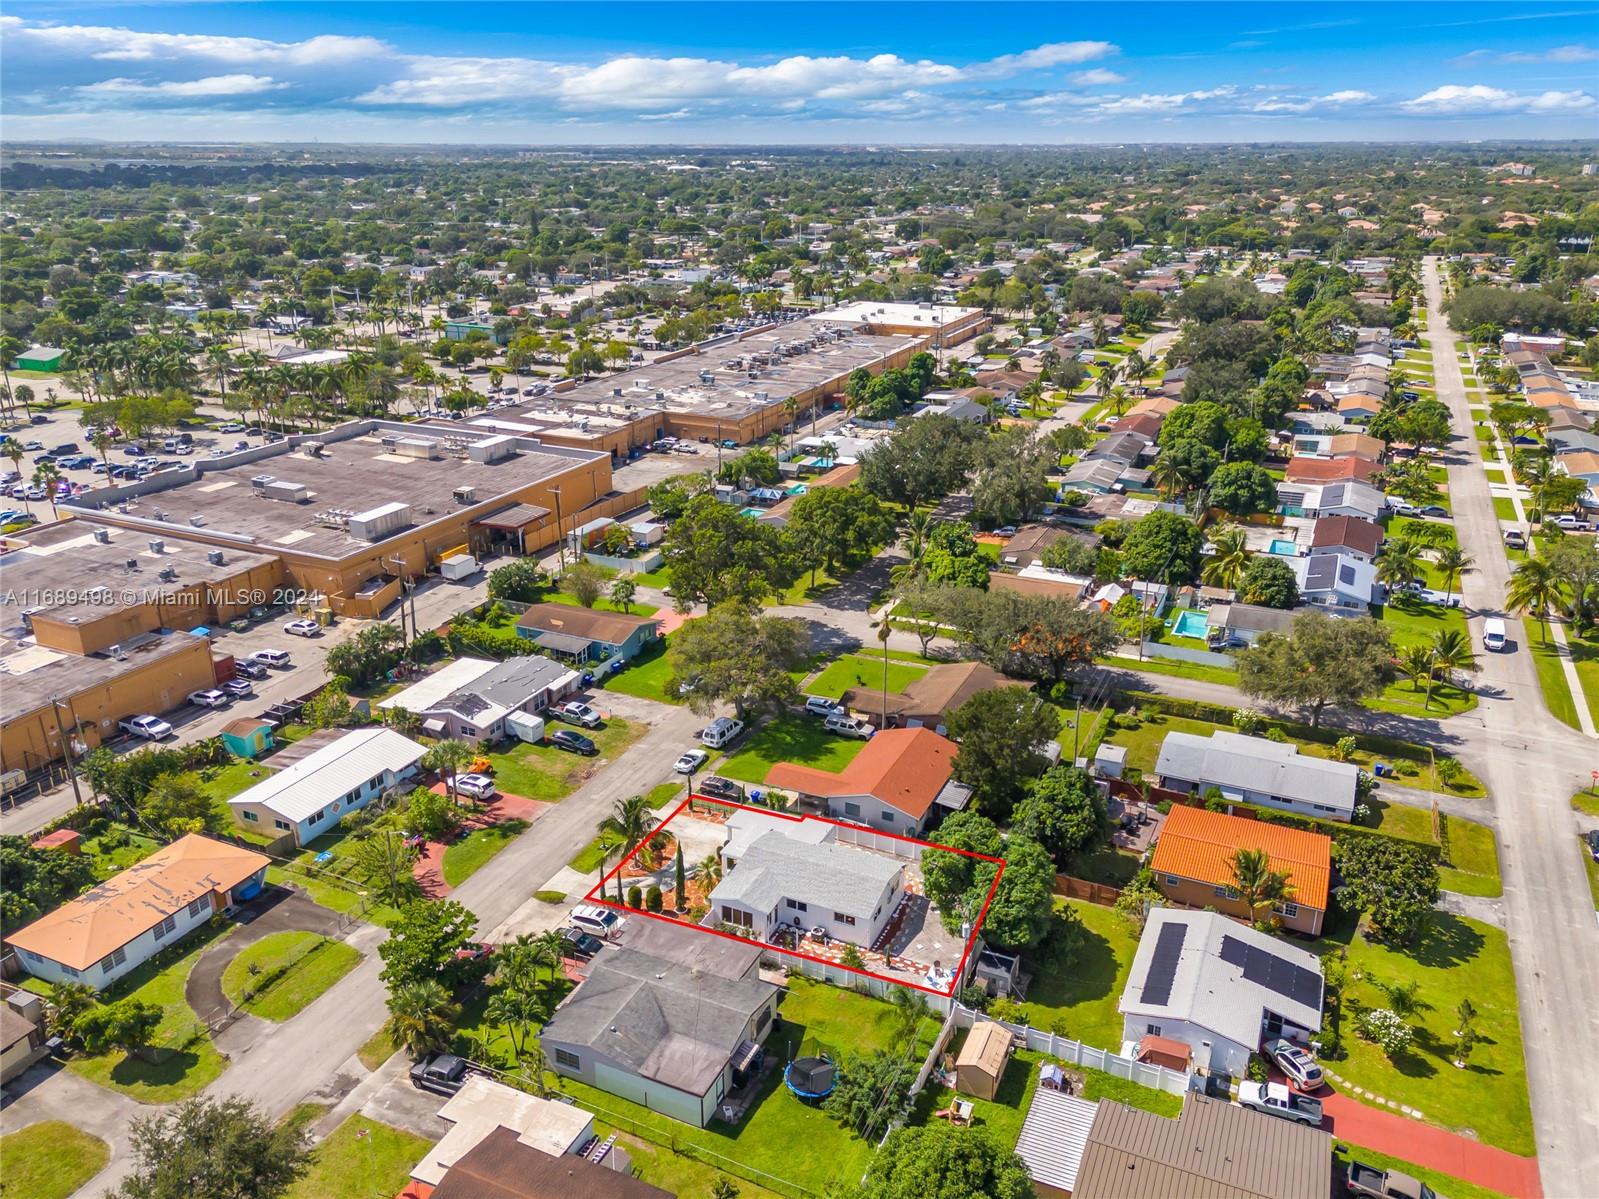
{"points": [[595, 920], [1493, 635], [721, 731]]}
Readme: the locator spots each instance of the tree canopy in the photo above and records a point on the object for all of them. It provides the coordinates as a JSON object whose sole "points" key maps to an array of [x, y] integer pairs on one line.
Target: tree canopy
{"points": [[1323, 660]]}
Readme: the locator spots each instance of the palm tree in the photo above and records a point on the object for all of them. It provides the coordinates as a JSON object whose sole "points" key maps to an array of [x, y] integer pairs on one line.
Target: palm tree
{"points": [[1135, 368], [1417, 662], [422, 1017], [1167, 476], [1257, 884], [1535, 587], [1226, 565], [1451, 651], [448, 757], [632, 819], [47, 476], [534, 1066], [1108, 374], [1452, 562], [1400, 564]]}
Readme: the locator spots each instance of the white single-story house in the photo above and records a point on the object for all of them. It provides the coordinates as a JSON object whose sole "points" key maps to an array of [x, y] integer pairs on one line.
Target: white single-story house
{"points": [[116, 926], [1231, 624], [1219, 987], [779, 879], [476, 709], [663, 1034], [893, 785], [1334, 582], [1347, 497], [1253, 770], [312, 796]]}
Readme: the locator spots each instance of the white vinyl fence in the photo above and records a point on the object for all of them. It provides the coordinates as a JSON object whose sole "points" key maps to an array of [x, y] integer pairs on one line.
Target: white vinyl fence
{"points": [[1067, 1050]]}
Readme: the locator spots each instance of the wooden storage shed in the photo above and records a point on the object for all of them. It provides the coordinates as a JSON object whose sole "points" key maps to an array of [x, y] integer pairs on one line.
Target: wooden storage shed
{"points": [[982, 1059]]}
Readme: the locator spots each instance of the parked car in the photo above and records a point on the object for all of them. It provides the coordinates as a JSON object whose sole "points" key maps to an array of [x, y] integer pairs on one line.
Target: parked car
{"points": [[580, 944], [844, 725], [577, 712], [1293, 1060], [597, 920], [478, 786], [573, 742], [231, 427], [270, 657], [1368, 1182], [238, 688], [1592, 838], [1515, 539], [720, 732], [818, 705], [211, 697], [1277, 1100], [441, 1073], [1571, 523], [1432, 510], [1005, 531], [151, 728], [691, 761], [719, 788], [245, 668], [1403, 507], [302, 628]]}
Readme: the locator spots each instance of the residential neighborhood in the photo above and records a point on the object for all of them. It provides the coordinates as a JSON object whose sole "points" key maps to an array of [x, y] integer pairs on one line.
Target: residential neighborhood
{"points": [[704, 613]]}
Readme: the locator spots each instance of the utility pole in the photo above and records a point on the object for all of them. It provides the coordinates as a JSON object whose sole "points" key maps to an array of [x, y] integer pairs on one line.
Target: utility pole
{"points": [[399, 564], [66, 750], [560, 539]]}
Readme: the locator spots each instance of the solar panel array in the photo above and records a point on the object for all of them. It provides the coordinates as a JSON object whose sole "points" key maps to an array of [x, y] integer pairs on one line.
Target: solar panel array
{"points": [[1163, 966], [1272, 972]]}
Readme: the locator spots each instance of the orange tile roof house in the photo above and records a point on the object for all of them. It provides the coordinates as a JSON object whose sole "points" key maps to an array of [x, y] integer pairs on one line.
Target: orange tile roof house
{"points": [[892, 785], [112, 928], [1328, 470], [1191, 868]]}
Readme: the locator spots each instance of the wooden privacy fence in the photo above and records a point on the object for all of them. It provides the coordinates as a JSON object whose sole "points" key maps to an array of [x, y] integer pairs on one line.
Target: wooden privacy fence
{"points": [[1081, 888]]}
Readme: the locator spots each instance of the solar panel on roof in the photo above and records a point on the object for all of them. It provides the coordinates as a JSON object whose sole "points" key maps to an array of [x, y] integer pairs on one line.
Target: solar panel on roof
{"points": [[1163, 965], [1272, 972]]}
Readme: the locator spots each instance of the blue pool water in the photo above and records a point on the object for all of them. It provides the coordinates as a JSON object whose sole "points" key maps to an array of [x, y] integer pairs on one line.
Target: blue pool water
{"points": [[1190, 623], [1287, 548], [796, 489], [752, 511]]}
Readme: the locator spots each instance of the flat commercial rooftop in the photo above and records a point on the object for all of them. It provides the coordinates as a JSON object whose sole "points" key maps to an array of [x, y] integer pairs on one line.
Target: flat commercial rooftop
{"points": [[64, 571], [731, 393], [353, 474], [30, 674]]}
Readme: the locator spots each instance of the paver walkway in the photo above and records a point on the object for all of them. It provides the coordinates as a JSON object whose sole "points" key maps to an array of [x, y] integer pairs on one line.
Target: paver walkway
{"points": [[1404, 1137]]}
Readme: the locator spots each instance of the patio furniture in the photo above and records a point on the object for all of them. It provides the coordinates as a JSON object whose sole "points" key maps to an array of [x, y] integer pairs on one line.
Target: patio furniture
{"points": [[958, 1113]]}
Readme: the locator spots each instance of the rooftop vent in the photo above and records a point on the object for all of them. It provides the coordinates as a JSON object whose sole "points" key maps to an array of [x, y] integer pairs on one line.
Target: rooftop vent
{"points": [[215, 557], [197, 521], [132, 564], [465, 495], [157, 546], [167, 574], [103, 536]]}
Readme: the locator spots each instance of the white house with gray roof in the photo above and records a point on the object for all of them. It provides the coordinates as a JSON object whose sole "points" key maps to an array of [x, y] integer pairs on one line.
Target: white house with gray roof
{"points": [[1253, 770], [1338, 584], [312, 796], [781, 879], [470, 698], [1219, 987]]}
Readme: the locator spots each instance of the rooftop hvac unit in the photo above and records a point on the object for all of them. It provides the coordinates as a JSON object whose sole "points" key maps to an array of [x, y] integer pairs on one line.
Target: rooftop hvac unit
{"points": [[316, 448], [377, 523], [389, 443], [616, 391], [465, 495], [258, 483], [492, 449], [760, 397], [103, 536], [197, 521], [215, 557], [167, 574], [157, 546], [287, 491], [132, 564]]}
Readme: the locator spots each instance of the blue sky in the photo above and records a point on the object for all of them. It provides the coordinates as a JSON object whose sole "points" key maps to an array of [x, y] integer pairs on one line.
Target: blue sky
{"points": [[456, 71]]}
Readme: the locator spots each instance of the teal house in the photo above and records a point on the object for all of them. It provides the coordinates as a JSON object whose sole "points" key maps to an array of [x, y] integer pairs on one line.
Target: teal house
{"points": [[248, 737]]}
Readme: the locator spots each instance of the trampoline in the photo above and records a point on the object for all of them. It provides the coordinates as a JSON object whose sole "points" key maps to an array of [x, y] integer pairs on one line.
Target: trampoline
{"points": [[811, 1078]]}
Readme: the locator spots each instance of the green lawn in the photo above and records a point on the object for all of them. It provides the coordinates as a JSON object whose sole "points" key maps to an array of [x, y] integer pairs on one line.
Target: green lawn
{"points": [[645, 678], [1504, 509], [116, 849], [555, 596], [679, 1174], [463, 858], [1170, 666], [379, 1048], [347, 900], [592, 856], [1593, 869], [50, 1160], [1442, 1184], [1415, 622], [1411, 763], [182, 1059], [1075, 994], [803, 590], [222, 783], [278, 976], [1456, 959], [789, 739], [1585, 656], [545, 773], [781, 1137], [349, 1165], [659, 579], [1551, 677], [863, 670], [1587, 801]]}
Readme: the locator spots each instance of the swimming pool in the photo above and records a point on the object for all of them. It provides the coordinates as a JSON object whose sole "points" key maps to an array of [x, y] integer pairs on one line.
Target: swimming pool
{"points": [[752, 512], [1286, 548], [1191, 623], [796, 489]]}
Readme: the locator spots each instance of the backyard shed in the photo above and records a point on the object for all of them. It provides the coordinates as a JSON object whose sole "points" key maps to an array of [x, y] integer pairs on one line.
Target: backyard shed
{"points": [[40, 358], [247, 737], [981, 1062]]}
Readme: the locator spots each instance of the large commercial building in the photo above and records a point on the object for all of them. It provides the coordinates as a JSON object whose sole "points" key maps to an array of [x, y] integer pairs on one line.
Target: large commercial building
{"points": [[738, 387]]}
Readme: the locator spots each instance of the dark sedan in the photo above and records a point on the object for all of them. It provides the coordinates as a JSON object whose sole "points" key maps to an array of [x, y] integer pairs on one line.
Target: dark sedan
{"points": [[573, 742]]}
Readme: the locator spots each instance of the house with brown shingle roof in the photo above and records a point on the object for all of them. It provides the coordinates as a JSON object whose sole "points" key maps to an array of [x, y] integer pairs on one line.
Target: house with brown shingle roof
{"points": [[927, 701], [1302, 469], [112, 928], [1349, 535], [1191, 864], [586, 634], [893, 784], [1356, 445]]}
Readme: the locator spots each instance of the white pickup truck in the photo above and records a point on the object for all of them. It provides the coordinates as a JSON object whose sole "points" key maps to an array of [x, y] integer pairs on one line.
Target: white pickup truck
{"points": [[1277, 1100], [151, 728]]}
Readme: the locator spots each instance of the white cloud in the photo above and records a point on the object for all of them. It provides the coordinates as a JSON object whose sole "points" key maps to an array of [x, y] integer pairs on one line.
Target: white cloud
{"points": [[679, 115], [1310, 103], [112, 43], [1454, 99], [1558, 54], [1348, 97], [1098, 77], [1042, 58], [210, 86], [1162, 102]]}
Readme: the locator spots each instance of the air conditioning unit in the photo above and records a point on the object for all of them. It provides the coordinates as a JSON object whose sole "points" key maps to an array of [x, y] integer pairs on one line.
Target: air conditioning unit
{"points": [[465, 495], [103, 536], [215, 557], [132, 564], [197, 521], [157, 546]]}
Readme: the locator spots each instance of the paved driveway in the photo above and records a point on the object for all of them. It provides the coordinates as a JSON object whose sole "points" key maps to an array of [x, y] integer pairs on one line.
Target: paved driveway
{"points": [[278, 910]]}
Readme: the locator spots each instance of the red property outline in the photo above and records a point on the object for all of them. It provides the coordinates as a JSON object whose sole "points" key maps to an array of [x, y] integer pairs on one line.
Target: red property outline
{"points": [[596, 893]]}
